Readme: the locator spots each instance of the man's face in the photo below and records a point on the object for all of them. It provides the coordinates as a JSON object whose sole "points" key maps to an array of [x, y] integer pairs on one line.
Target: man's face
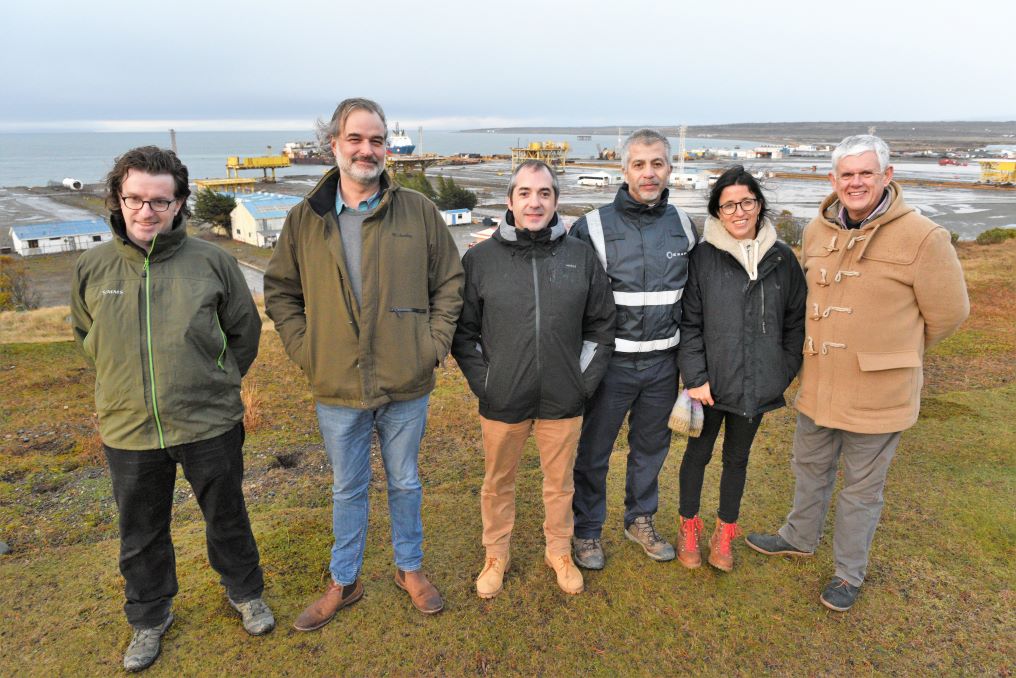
{"points": [[360, 147], [647, 171], [532, 202], [145, 223], [859, 183]]}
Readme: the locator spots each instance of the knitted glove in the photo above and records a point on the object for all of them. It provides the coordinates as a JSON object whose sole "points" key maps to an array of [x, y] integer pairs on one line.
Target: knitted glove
{"points": [[681, 416]]}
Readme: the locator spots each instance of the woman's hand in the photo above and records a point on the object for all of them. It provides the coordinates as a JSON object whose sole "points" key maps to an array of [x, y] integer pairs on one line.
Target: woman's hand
{"points": [[701, 394]]}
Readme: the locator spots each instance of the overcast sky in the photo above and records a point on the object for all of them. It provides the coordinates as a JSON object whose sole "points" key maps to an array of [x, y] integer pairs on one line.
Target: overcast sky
{"points": [[110, 65]]}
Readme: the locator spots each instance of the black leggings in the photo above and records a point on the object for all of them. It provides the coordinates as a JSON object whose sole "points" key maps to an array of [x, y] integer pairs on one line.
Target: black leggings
{"points": [[738, 435]]}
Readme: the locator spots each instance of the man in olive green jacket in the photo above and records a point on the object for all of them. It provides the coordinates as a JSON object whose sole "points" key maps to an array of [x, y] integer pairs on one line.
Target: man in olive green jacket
{"points": [[170, 325], [364, 287]]}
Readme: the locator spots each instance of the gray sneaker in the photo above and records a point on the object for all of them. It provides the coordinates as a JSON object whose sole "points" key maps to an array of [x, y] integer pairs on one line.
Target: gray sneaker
{"points": [[145, 646], [588, 553], [774, 545], [257, 617], [644, 533]]}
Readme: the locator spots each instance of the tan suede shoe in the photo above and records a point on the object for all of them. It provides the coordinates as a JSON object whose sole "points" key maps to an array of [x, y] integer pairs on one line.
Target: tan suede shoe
{"points": [[491, 579], [321, 611], [568, 576], [424, 595]]}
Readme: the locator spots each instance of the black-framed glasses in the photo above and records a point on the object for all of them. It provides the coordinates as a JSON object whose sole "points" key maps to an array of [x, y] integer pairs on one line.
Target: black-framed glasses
{"points": [[157, 205], [748, 205]]}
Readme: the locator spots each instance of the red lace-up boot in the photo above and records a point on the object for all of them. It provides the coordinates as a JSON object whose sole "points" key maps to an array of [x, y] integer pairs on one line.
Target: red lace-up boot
{"points": [[721, 556], [687, 544]]}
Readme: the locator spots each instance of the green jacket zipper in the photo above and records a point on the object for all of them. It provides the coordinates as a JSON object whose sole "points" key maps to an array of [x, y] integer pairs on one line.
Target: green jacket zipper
{"points": [[222, 353], [148, 324]]}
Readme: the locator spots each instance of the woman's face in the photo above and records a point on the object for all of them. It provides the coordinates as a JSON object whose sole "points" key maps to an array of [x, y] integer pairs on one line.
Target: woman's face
{"points": [[740, 222]]}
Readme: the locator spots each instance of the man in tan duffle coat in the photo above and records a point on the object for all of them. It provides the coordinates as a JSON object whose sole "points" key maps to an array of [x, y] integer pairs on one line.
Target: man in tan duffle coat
{"points": [[884, 285]]}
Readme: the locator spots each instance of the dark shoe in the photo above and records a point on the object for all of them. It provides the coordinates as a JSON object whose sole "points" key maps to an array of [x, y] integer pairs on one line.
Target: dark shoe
{"points": [[774, 545], [256, 615], [687, 542], [321, 611], [145, 646], [839, 595], [721, 555], [588, 553], [424, 595], [643, 532]]}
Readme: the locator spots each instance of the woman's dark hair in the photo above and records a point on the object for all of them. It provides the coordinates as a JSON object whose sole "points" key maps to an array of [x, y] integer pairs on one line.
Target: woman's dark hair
{"points": [[150, 160], [738, 176]]}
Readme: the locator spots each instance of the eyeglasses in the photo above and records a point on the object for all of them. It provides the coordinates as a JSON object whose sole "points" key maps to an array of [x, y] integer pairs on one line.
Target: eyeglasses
{"points": [[865, 176], [157, 205], [748, 205]]}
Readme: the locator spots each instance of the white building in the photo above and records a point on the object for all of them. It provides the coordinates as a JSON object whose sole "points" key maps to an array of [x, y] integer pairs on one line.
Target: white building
{"points": [[692, 180], [457, 217], [61, 236], [258, 217]]}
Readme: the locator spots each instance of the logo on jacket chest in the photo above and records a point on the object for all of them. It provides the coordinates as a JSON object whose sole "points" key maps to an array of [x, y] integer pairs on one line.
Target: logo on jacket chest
{"points": [[120, 292]]}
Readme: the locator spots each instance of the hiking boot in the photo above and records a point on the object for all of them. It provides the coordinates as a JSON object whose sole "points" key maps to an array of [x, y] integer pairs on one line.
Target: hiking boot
{"points": [[321, 611], [839, 595], [145, 646], [643, 532], [568, 576], [721, 556], [256, 615], [588, 553], [687, 543], [491, 579], [774, 545], [424, 595]]}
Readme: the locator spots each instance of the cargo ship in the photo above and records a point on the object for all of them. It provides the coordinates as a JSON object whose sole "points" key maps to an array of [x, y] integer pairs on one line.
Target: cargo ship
{"points": [[308, 153], [399, 142]]}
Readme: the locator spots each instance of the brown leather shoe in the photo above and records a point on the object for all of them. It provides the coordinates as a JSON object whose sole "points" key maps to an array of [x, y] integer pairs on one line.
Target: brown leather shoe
{"points": [[424, 595], [321, 611]]}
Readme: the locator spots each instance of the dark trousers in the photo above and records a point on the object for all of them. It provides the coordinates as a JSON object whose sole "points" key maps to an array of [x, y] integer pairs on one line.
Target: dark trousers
{"points": [[143, 484], [649, 396], [738, 434]]}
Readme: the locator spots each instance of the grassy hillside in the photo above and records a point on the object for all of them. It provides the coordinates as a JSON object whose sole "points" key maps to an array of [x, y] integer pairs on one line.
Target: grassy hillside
{"points": [[939, 597]]}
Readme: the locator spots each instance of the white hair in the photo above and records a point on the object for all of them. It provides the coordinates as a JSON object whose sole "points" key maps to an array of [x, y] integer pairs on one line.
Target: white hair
{"points": [[862, 143]]}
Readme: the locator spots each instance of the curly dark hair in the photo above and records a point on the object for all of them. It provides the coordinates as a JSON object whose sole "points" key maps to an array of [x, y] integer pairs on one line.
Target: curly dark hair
{"points": [[150, 160]]}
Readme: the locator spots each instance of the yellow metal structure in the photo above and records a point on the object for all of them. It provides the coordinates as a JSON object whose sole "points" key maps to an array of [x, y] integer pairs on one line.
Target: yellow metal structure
{"points": [[553, 153], [233, 184], [262, 162], [998, 171]]}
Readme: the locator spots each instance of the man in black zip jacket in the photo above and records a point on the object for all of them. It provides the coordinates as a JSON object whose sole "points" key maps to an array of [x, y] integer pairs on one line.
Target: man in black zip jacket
{"points": [[643, 243], [533, 341]]}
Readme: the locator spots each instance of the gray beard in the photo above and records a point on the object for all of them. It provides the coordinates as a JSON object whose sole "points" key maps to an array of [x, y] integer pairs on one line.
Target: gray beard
{"points": [[364, 178]]}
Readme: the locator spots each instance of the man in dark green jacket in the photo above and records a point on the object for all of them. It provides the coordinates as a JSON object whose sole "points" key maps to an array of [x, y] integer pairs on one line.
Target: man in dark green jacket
{"points": [[364, 287], [170, 325]]}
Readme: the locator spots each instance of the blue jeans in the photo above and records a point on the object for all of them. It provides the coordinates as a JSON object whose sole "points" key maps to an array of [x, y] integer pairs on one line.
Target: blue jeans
{"points": [[347, 435]]}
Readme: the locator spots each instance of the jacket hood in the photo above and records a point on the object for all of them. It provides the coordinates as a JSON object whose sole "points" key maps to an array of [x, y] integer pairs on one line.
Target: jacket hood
{"points": [[322, 197], [829, 211], [747, 252], [627, 205], [509, 234], [163, 245]]}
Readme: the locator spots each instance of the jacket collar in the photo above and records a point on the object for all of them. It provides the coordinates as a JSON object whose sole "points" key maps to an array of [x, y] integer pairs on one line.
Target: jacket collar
{"points": [[163, 247], [508, 234], [322, 197], [629, 206], [748, 253]]}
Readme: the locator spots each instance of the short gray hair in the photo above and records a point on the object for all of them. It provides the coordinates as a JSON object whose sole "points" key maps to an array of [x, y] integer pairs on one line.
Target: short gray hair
{"points": [[647, 137], [862, 143], [534, 165], [326, 131]]}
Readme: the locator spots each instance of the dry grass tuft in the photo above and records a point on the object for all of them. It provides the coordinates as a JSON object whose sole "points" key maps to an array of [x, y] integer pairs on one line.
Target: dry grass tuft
{"points": [[253, 412], [42, 325]]}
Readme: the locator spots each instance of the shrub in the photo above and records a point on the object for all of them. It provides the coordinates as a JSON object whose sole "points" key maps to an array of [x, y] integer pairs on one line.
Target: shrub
{"points": [[16, 290], [788, 228], [996, 235], [214, 208]]}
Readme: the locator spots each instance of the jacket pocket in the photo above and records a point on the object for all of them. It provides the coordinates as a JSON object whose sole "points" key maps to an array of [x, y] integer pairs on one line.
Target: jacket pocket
{"points": [[887, 379]]}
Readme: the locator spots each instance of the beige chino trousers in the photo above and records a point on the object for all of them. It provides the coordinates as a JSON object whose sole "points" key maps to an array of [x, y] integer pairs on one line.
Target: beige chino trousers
{"points": [[557, 440]]}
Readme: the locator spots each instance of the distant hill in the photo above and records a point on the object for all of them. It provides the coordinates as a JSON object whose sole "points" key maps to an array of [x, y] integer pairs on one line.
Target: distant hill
{"points": [[902, 135]]}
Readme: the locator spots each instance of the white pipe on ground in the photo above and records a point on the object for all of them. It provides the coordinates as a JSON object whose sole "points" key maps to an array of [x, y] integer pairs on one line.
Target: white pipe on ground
{"points": [[72, 184]]}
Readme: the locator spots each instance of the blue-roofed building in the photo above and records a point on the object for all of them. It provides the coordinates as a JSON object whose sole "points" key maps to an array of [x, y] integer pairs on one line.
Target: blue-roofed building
{"points": [[59, 236], [257, 218]]}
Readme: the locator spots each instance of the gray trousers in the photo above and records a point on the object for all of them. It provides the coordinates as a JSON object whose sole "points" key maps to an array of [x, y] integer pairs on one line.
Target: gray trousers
{"points": [[866, 458]]}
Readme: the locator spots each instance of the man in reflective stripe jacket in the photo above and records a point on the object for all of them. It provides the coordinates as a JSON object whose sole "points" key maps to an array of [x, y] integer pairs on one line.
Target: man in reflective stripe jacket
{"points": [[643, 242]]}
